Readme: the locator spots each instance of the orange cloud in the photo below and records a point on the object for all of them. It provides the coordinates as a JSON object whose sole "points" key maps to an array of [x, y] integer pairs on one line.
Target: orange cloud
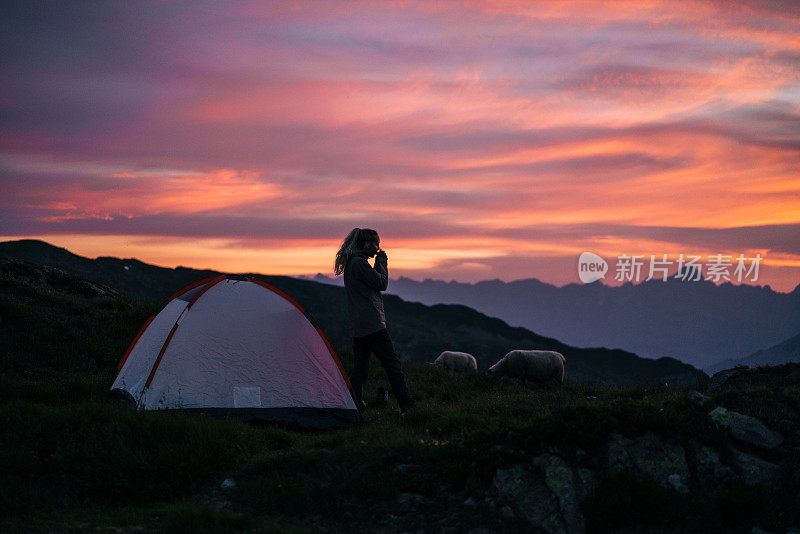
{"points": [[468, 137]]}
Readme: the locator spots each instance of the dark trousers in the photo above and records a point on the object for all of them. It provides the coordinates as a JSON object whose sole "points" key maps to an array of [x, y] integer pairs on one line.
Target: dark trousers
{"points": [[379, 344]]}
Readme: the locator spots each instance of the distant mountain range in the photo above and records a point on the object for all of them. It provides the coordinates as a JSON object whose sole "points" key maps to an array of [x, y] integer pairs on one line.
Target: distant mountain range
{"points": [[420, 332], [696, 322], [788, 351]]}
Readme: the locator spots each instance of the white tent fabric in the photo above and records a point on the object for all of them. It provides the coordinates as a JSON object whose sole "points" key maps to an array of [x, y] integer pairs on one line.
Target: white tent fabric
{"points": [[239, 348]]}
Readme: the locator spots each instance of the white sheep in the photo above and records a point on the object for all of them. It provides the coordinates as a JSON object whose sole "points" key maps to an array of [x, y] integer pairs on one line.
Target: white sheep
{"points": [[457, 362], [535, 365]]}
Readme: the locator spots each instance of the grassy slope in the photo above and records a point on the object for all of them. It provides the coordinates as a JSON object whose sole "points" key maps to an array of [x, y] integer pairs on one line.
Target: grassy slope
{"points": [[70, 460]]}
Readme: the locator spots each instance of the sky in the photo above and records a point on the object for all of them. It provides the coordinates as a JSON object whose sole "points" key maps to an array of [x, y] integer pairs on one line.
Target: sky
{"points": [[482, 140]]}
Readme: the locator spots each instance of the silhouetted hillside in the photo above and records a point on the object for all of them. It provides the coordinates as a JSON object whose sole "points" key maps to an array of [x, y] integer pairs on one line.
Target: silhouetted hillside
{"points": [[696, 322], [786, 352], [130, 277], [477, 454], [420, 332]]}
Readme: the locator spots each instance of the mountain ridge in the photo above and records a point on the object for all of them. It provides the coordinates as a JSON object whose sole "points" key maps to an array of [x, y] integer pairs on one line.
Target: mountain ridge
{"points": [[787, 351], [696, 322], [420, 332]]}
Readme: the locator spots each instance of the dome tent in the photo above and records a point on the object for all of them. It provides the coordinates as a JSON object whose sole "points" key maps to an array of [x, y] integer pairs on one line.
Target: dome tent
{"points": [[239, 348]]}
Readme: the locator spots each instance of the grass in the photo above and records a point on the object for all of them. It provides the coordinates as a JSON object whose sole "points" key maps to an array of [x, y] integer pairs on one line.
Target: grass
{"points": [[71, 460], [95, 455]]}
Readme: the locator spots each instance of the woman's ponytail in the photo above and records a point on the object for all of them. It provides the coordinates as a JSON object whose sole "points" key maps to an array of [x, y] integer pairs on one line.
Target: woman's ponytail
{"points": [[356, 240]]}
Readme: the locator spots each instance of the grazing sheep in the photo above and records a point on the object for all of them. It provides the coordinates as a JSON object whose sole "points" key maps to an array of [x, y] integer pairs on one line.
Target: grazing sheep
{"points": [[457, 362], [535, 365]]}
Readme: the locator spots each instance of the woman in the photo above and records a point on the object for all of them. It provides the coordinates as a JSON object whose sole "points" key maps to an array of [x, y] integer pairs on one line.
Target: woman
{"points": [[363, 284]]}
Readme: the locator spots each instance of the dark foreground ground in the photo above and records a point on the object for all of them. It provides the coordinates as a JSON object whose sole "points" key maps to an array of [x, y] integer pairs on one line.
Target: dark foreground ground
{"points": [[477, 455]]}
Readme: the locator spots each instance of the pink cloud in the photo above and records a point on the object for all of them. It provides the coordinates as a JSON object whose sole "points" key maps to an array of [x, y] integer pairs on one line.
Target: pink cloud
{"points": [[289, 123]]}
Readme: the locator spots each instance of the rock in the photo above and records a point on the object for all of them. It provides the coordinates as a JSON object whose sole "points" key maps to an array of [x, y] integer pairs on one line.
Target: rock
{"points": [[711, 472], [404, 468], [93, 289], [718, 379], [650, 455], [529, 496], [552, 502], [757, 472], [695, 397], [227, 484], [797, 505], [501, 449], [790, 430], [746, 428], [570, 486], [411, 499], [677, 484], [470, 503]]}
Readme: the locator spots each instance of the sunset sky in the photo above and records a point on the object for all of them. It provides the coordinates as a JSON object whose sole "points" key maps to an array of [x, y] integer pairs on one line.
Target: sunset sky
{"points": [[481, 140]]}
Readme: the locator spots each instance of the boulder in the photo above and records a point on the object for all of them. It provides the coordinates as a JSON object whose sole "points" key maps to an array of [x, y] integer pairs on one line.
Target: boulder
{"points": [[547, 493], [746, 428], [677, 484], [404, 468], [529, 497], [790, 430], [411, 500], [757, 472], [697, 398], [570, 486], [718, 379], [711, 472], [651, 456]]}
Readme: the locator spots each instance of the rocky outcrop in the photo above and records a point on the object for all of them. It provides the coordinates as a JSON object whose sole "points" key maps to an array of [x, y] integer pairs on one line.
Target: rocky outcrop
{"points": [[719, 379], [745, 428], [663, 461], [697, 398], [711, 472], [56, 278], [570, 486], [546, 493], [528, 497], [757, 472]]}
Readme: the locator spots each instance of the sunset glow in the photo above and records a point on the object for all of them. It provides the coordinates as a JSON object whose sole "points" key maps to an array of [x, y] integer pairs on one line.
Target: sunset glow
{"points": [[482, 139]]}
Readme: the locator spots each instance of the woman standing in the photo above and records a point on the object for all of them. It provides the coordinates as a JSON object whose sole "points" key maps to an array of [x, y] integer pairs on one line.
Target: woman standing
{"points": [[363, 284]]}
